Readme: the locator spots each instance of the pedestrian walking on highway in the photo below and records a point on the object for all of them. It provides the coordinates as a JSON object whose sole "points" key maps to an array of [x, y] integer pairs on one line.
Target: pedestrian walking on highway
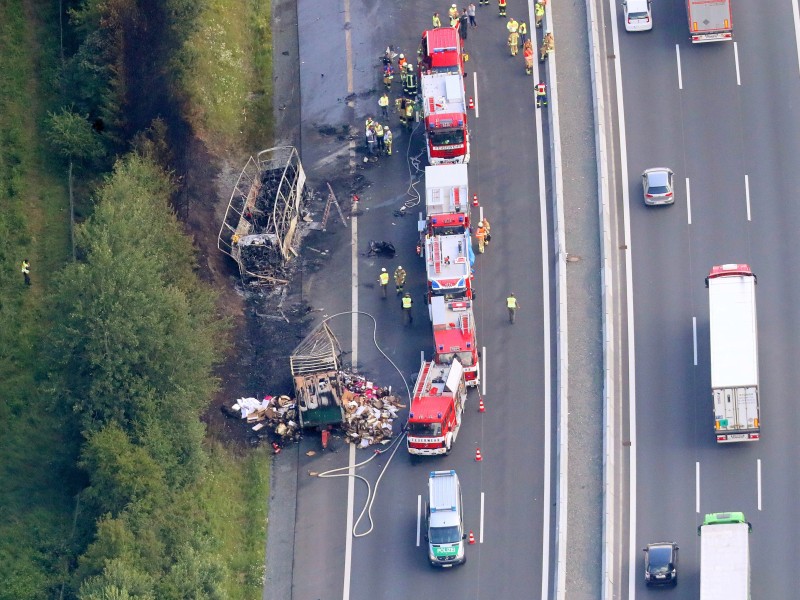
{"points": [[538, 12], [383, 279], [399, 279], [372, 141], [523, 32], [463, 26], [541, 94], [383, 102], [406, 302], [513, 43], [471, 15], [513, 305], [387, 140], [512, 25], [379, 137], [453, 14], [26, 271], [487, 228], [548, 45], [527, 53], [501, 8], [437, 21]]}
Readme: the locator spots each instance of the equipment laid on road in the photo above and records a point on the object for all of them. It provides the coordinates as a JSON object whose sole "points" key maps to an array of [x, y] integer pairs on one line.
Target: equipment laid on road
{"points": [[734, 352], [444, 520], [444, 107], [724, 557], [709, 21], [434, 418]]}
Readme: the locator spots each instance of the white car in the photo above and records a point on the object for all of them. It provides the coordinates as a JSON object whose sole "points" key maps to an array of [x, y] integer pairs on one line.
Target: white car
{"points": [[638, 15]]}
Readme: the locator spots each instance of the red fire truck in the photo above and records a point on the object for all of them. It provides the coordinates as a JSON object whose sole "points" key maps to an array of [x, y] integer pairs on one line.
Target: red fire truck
{"points": [[448, 260], [444, 107], [436, 409], [440, 52], [454, 336]]}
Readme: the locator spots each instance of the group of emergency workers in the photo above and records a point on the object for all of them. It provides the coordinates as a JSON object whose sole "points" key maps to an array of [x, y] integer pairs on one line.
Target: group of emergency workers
{"points": [[406, 302]]}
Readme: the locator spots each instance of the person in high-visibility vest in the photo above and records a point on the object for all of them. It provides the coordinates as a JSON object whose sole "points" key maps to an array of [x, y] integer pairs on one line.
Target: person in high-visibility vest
{"points": [[453, 14], [513, 42], [541, 94], [401, 63], [410, 81], [538, 12], [437, 21], [523, 32], [387, 140], [512, 305], [501, 8], [383, 279], [512, 25], [383, 102], [379, 137], [26, 271], [480, 235], [406, 302], [399, 279], [409, 113], [487, 228]]}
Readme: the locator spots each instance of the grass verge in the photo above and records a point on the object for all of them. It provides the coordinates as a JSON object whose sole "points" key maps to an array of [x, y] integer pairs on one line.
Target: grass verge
{"points": [[228, 75]]}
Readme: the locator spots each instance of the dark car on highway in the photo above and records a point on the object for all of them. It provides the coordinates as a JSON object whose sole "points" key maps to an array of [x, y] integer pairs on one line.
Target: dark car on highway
{"points": [[661, 564]]}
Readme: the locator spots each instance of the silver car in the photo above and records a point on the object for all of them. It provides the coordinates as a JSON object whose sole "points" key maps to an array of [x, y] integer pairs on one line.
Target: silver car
{"points": [[657, 184], [637, 14]]}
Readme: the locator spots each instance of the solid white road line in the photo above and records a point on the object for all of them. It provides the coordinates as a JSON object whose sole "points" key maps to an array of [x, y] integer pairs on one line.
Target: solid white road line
{"points": [[694, 338], [351, 481], [697, 487], [747, 195], [480, 211], [547, 384], [796, 15], [483, 378], [758, 477], [736, 57], [678, 57], [419, 514], [475, 86], [480, 534], [631, 338], [688, 202]]}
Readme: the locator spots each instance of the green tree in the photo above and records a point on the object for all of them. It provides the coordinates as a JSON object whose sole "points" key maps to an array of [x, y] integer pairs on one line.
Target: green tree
{"points": [[119, 581], [73, 137], [120, 472]]}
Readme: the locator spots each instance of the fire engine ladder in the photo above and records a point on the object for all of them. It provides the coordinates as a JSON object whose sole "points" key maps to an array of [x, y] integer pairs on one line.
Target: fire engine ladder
{"points": [[457, 199], [420, 388], [464, 323], [437, 255]]}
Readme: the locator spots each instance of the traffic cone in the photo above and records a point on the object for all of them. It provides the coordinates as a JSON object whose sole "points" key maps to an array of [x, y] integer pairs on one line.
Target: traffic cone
{"points": [[481, 407], [276, 448], [471, 537], [474, 199], [478, 457], [471, 104]]}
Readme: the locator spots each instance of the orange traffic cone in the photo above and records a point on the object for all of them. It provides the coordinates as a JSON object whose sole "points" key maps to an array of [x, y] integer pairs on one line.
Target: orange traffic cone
{"points": [[471, 104], [276, 448], [471, 537], [478, 456], [481, 407], [474, 199]]}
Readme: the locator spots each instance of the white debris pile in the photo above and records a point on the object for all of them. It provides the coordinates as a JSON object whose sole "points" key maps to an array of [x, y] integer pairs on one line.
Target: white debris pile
{"points": [[369, 411]]}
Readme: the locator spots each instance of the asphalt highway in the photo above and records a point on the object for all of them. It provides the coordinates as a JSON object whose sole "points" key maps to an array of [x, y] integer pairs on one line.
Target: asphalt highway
{"points": [[504, 494], [724, 117]]}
